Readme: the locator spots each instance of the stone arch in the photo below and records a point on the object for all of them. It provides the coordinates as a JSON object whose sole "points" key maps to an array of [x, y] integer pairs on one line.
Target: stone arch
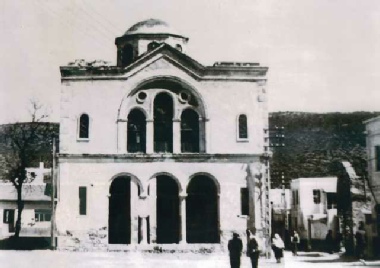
{"points": [[122, 196], [163, 173], [132, 177], [206, 174], [184, 83], [202, 210]]}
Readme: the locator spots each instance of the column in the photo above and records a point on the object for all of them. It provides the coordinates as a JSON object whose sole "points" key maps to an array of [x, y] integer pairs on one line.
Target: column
{"points": [[134, 214], [182, 199], [176, 136], [153, 210], [144, 230], [149, 136], [202, 135], [122, 128]]}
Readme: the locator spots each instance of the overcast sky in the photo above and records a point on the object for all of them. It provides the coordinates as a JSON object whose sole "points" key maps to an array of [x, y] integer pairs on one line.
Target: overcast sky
{"points": [[323, 55]]}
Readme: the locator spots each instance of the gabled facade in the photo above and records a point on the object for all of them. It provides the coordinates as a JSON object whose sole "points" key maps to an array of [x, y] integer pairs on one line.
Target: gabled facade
{"points": [[161, 150]]}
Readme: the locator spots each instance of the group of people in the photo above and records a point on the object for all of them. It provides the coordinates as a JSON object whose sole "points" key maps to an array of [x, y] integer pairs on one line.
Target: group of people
{"points": [[235, 247]]}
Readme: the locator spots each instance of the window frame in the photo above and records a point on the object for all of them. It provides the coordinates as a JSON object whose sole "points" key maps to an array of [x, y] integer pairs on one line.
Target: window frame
{"points": [[238, 136], [79, 126], [377, 158], [82, 200]]}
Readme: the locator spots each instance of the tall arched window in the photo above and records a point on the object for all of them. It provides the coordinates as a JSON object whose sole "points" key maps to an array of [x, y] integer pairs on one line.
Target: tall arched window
{"points": [[136, 132], [189, 131], [242, 127], [127, 55], [84, 124], [163, 123]]}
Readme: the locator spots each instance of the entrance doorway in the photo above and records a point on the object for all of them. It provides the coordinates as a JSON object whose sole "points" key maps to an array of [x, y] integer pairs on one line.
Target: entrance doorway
{"points": [[202, 221], [167, 210], [119, 219]]}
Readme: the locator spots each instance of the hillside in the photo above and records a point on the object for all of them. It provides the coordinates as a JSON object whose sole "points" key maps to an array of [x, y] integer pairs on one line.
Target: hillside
{"points": [[313, 141]]}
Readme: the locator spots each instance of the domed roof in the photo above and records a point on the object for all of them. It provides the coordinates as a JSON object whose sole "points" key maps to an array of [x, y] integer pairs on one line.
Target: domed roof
{"points": [[151, 26]]}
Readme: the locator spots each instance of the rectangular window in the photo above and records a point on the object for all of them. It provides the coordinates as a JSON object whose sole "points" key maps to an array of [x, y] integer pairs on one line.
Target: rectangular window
{"points": [[82, 200], [42, 215], [244, 198], [317, 196], [331, 200], [8, 216], [377, 157]]}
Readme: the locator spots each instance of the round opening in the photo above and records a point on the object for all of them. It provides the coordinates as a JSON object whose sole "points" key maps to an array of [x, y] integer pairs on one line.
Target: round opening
{"points": [[184, 97], [141, 96]]}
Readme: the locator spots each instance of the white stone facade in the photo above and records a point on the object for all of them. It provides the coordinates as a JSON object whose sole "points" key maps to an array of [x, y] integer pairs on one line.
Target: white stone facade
{"points": [[221, 159]]}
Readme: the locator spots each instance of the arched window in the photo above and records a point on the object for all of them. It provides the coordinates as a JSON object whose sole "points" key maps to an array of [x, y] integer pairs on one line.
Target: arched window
{"points": [[127, 55], [136, 132], [178, 47], [163, 123], [242, 127], [189, 131], [84, 125], [152, 45]]}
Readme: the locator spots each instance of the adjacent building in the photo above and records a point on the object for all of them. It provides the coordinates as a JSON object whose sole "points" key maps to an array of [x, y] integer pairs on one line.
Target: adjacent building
{"points": [[314, 209], [160, 150], [36, 215], [373, 156]]}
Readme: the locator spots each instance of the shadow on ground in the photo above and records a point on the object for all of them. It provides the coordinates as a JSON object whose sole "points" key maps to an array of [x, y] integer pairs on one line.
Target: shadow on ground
{"points": [[25, 243]]}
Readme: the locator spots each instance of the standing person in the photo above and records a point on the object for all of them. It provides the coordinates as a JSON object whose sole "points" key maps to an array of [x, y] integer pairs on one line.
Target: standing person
{"points": [[295, 241], [360, 241], [253, 250], [329, 242], [278, 247], [235, 247]]}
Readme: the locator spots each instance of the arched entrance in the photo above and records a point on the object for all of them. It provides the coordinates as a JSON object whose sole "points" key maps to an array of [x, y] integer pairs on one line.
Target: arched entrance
{"points": [[119, 218], [168, 227], [202, 217]]}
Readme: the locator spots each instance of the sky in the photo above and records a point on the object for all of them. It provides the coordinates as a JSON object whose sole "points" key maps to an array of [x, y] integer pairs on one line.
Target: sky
{"points": [[323, 55]]}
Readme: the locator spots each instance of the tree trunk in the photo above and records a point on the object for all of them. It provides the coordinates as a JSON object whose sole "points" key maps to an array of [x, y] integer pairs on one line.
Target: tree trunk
{"points": [[20, 207]]}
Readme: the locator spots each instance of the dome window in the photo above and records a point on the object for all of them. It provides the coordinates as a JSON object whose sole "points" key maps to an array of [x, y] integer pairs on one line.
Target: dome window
{"points": [[152, 45], [178, 47]]}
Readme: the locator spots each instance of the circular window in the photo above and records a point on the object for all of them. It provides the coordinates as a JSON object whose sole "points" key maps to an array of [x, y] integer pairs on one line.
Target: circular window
{"points": [[178, 47], [184, 97], [141, 97]]}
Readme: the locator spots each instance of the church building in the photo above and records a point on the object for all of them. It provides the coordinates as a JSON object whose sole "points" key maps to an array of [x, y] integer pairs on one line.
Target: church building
{"points": [[160, 150]]}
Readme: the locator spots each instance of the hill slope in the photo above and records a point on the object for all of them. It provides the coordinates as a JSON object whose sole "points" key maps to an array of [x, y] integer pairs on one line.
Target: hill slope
{"points": [[313, 141]]}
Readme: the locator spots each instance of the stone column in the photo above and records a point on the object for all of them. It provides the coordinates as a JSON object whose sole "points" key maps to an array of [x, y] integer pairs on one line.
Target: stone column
{"points": [[122, 128], [134, 214], [149, 136], [202, 135], [182, 200], [176, 136], [153, 210], [144, 230]]}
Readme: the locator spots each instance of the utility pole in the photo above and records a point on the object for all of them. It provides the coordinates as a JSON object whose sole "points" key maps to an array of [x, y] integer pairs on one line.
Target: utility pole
{"points": [[53, 194]]}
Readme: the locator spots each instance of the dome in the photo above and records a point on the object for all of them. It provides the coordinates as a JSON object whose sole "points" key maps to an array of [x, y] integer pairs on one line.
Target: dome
{"points": [[151, 26]]}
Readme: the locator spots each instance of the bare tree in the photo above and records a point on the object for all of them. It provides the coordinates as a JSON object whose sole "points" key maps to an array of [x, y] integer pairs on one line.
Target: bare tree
{"points": [[25, 144]]}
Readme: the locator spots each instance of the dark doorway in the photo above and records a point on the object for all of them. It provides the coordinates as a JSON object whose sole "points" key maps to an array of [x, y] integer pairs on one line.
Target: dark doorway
{"points": [[163, 123], [136, 132], [167, 210], [119, 219], [202, 217], [127, 55]]}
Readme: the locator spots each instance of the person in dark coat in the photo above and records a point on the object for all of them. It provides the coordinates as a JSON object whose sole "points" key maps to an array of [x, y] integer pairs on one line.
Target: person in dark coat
{"points": [[235, 247], [253, 250], [329, 242]]}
